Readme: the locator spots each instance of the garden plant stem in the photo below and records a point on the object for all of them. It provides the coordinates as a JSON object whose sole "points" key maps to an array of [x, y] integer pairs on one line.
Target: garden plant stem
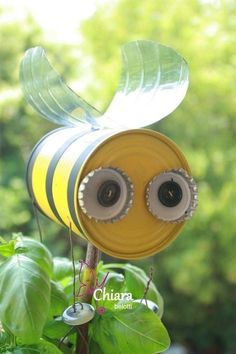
{"points": [[92, 258]]}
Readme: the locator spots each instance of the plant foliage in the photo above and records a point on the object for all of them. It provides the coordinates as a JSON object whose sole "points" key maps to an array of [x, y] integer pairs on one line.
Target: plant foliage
{"points": [[31, 305]]}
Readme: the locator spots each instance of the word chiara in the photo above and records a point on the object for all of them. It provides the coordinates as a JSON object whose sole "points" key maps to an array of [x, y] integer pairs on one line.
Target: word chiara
{"points": [[101, 294], [99, 291]]}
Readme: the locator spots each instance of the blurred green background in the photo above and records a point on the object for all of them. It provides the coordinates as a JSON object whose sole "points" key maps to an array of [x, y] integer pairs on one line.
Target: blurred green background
{"points": [[196, 274]]}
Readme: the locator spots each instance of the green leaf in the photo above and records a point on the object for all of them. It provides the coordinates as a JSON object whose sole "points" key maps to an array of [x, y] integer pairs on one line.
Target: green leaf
{"points": [[9, 334], [112, 280], [68, 289], [130, 331], [62, 268], [94, 348], [36, 251], [56, 329], [43, 347], [22, 350], [59, 300], [5, 338], [136, 282], [24, 297], [99, 266], [7, 248]]}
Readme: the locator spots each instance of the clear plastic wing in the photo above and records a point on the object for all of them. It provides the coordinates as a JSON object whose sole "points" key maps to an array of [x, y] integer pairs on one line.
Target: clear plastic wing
{"points": [[153, 83], [45, 90]]}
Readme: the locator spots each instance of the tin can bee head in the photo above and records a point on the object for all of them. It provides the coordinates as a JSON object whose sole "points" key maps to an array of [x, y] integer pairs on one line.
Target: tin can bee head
{"points": [[126, 189]]}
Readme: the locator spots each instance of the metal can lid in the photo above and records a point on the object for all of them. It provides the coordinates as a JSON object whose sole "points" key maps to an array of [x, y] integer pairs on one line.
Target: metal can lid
{"points": [[106, 194]]}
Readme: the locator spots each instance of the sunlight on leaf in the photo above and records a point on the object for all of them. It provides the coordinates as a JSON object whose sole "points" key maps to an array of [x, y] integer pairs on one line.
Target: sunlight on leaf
{"points": [[24, 297], [130, 331]]}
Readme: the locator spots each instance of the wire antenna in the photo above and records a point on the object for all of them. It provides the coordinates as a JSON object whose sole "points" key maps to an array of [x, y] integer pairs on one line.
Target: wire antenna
{"points": [[73, 264], [37, 221], [148, 285]]}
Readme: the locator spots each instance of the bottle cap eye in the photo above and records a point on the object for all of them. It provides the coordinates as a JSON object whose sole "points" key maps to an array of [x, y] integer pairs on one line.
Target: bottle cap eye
{"points": [[172, 196], [170, 193], [106, 194]]}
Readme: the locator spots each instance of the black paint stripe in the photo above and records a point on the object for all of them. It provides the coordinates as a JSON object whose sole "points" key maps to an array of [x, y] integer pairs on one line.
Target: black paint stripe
{"points": [[73, 177], [29, 169], [51, 170]]}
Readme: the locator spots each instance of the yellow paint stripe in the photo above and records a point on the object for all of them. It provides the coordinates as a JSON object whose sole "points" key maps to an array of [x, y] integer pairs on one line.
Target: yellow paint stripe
{"points": [[41, 164]]}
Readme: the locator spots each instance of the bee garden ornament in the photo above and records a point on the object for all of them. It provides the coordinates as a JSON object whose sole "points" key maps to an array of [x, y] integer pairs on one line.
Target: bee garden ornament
{"points": [[126, 189]]}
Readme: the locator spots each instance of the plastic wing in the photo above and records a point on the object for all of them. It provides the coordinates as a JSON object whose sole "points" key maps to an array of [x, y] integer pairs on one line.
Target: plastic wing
{"points": [[46, 91], [153, 83]]}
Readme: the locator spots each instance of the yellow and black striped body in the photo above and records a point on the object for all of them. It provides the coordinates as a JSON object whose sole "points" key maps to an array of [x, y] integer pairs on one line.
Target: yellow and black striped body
{"points": [[65, 156]]}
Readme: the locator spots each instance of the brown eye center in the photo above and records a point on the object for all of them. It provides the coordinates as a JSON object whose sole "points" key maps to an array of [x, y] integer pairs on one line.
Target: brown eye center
{"points": [[170, 194], [108, 193]]}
